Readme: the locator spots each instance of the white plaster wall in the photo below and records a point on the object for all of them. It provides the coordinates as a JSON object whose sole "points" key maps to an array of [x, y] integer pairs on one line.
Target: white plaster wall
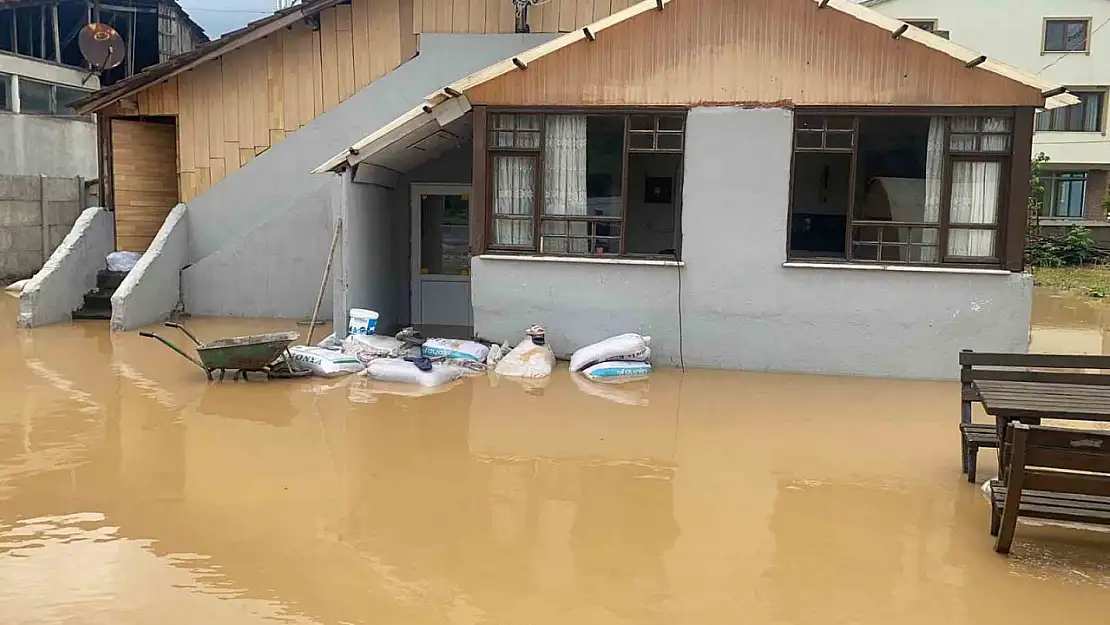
{"points": [[33, 145], [152, 289], [1012, 32], [368, 247], [740, 307], [59, 287]]}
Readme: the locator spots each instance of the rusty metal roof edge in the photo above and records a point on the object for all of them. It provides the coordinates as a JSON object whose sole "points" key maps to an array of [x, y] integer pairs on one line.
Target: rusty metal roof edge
{"points": [[182, 62]]}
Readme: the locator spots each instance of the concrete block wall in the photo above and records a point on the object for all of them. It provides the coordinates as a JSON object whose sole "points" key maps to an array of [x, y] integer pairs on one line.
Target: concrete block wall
{"points": [[36, 214]]}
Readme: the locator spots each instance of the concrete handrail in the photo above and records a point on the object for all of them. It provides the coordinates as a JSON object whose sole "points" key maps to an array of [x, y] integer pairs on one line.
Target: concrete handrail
{"points": [[152, 289], [59, 287]]}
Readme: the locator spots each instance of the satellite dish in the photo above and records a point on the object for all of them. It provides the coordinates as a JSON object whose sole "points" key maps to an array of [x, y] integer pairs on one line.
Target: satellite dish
{"points": [[101, 46]]}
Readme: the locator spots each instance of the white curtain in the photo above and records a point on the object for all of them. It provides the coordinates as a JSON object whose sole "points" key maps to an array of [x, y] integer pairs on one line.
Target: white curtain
{"points": [[513, 194], [934, 188], [975, 191], [564, 182]]}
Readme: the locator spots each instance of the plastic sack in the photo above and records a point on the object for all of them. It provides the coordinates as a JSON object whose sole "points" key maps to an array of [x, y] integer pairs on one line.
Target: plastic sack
{"points": [[330, 342], [626, 347], [370, 347], [123, 261], [403, 371], [454, 349], [324, 362], [17, 286], [496, 353], [527, 360], [617, 371]]}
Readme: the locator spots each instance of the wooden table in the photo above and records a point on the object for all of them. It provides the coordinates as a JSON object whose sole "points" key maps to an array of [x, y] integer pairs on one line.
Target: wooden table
{"points": [[1031, 401]]}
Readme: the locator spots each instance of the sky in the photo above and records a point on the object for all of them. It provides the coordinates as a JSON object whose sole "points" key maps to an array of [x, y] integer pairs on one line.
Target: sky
{"points": [[219, 16]]}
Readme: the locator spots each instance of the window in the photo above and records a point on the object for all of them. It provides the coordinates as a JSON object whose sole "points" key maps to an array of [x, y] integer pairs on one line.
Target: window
{"points": [[1067, 35], [926, 25], [595, 184], [894, 188], [5, 92], [1064, 194], [40, 98], [1083, 117]]}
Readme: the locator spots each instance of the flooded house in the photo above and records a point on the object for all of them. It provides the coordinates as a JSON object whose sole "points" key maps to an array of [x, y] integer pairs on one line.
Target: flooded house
{"points": [[803, 185]]}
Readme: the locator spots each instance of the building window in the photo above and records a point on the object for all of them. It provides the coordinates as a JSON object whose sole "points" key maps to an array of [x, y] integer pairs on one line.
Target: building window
{"points": [[1067, 35], [41, 98], [911, 189], [1064, 194], [5, 92], [1083, 117], [596, 184], [926, 25]]}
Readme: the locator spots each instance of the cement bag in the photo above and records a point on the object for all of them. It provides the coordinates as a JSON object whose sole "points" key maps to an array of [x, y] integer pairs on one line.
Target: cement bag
{"points": [[324, 362], [617, 371], [17, 286], [367, 347], [527, 360], [405, 372], [454, 349], [627, 347], [123, 261], [330, 342]]}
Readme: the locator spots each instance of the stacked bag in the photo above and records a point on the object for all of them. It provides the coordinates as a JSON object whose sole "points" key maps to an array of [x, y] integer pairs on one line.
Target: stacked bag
{"points": [[616, 359]]}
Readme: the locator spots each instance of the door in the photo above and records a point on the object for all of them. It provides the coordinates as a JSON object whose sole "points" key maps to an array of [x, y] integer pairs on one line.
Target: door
{"points": [[441, 258], [144, 177]]}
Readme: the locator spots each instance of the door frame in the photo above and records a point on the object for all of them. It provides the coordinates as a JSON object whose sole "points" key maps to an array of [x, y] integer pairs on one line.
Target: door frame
{"points": [[418, 189]]}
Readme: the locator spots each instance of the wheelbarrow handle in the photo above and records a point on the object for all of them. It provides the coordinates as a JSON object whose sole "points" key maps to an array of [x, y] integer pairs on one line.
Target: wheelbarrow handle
{"points": [[151, 335], [170, 324]]}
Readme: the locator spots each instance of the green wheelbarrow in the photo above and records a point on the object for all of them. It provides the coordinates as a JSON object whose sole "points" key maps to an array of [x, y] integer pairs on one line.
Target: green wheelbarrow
{"points": [[243, 354]]}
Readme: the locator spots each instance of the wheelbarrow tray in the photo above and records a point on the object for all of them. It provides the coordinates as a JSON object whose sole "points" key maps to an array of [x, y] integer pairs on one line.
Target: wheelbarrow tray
{"points": [[246, 353]]}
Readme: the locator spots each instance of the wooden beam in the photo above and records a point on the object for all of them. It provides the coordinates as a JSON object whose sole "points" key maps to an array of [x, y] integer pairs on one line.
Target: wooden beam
{"points": [[976, 62], [901, 31]]}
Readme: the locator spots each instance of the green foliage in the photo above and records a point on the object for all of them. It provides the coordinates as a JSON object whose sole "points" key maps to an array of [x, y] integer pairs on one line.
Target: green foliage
{"points": [[1076, 248]]}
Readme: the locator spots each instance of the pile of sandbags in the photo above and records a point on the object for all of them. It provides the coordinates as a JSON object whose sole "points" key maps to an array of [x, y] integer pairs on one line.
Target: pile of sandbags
{"points": [[616, 359], [325, 363]]}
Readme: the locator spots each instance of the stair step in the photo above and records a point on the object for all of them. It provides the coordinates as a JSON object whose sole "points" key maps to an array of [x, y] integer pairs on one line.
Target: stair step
{"points": [[82, 313], [110, 279], [99, 299]]}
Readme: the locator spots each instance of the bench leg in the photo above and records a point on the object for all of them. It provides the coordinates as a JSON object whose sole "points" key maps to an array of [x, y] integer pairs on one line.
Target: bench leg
{"points": [[965, 418], [1008, 521], [996, 519], [972, 462]]}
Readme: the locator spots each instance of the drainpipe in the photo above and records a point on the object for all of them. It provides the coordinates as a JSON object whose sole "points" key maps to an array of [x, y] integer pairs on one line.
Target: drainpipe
{"points": [[521, 7]]}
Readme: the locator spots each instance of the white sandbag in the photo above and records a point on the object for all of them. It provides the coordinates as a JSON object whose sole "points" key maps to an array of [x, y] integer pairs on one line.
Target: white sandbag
{"points": [[454, 349], [330, 342], [367, 347], [617, 371], [325, 362], [627, 347], [631, 394], [123, 261], [17, 286], [527, 360], [496, 353], [405, 372]]}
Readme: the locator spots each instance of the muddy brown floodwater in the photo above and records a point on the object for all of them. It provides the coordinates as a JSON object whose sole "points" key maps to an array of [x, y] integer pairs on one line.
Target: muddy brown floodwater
{"points": [[133, 492]]}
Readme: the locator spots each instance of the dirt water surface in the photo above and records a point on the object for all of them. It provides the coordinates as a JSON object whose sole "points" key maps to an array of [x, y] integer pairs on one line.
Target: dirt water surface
{"points": [[134, 492]]}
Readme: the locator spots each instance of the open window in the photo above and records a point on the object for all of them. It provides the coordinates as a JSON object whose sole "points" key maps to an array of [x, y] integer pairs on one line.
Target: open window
{"points": [[585, 184], [904, 189]]}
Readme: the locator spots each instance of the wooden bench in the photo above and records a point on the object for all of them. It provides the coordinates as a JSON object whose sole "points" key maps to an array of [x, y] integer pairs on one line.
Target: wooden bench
{"points": [[998, 367], [1050, 473]]}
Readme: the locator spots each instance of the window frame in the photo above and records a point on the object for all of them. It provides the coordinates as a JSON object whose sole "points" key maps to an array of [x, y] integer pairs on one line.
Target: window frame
{"points": [[53, 106], [8, 104], [1086, 21], [1049, 180], [1004, 217], [487, 242], [1102, 92]]}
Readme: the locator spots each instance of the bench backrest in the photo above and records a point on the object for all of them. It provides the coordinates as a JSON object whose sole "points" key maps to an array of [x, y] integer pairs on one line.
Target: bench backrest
{"points": [[1053, 368], [1057, 459]]}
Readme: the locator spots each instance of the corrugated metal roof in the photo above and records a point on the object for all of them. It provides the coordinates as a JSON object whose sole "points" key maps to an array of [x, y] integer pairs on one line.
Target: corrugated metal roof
{"points": [[203, 53], [421, 118]]}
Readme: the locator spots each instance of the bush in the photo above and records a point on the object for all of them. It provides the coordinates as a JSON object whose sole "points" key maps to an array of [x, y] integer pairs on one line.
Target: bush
{"points": [[1076, 248]]}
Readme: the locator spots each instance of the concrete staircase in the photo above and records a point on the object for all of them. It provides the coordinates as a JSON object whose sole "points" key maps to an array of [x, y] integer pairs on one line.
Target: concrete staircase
{"points": [[98, 302]]}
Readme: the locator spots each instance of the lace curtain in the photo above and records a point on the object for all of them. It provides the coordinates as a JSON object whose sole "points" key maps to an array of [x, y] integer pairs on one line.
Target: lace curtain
{"points": [[934, 188], [564, 183], [975, 189], [513, 196]]}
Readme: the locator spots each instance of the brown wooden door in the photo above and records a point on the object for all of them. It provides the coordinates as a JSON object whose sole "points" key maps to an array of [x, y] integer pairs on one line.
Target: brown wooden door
{"points": [[144, 173]]}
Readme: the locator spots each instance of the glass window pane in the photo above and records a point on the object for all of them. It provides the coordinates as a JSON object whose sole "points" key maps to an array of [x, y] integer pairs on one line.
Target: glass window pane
{"points": [[668, 141], [965, 124], [809, 122], [962, 143], [671, 122], [1043, 120], [642, 122], [994, 143], [445, 235], [865, 252], [838, 140], [1077, 36], [975, 190], [5, 92], [641, 141], [583, 165], [1054, 34], [514, 195], [65, 97], [839, 123], [34, 97], [809, 139], [968, 243]]}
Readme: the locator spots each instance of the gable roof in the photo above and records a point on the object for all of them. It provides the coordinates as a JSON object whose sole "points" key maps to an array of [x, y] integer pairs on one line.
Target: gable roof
{"points": [[443, 104], [201, 54]]}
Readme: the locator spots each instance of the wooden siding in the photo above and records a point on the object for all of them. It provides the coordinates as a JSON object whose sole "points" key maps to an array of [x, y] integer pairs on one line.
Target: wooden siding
{"points": [[234, 108], [144, 174], [754, 52], [497, 16]]}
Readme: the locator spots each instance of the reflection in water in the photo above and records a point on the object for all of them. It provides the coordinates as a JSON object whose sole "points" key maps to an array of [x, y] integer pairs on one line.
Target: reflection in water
{"points": [[132, 491]]}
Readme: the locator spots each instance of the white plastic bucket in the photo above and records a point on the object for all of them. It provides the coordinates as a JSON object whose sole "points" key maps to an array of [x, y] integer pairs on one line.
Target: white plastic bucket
{"points": [[362, 321]]}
